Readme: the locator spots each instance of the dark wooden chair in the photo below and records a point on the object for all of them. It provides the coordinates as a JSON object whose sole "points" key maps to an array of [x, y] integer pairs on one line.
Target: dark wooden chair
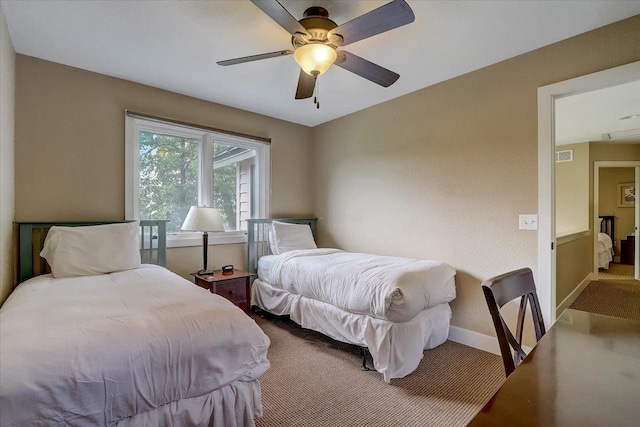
{"points": [[500, 290]]}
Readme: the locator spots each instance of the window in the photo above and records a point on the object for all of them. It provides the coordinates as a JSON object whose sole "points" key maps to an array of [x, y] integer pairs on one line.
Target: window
{"points": [[172, 167]]}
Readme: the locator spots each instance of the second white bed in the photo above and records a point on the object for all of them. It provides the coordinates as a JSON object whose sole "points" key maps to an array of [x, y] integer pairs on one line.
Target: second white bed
{"points": [[404, 316], [605, 250]]}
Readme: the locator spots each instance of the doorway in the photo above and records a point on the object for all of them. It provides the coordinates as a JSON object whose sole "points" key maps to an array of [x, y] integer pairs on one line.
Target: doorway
{"points": [[547, 96], [613, 182]]}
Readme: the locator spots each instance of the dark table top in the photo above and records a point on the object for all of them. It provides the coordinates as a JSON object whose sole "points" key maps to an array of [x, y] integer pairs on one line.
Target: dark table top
{"points": [[584, 372]]}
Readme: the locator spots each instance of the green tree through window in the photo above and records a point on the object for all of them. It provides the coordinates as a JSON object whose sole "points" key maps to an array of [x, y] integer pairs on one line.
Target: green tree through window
{"points": [[168, 177], [224, 197]]}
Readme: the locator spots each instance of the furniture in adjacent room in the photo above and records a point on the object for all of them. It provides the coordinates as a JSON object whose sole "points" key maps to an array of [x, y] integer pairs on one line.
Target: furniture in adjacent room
{"points": [[628, 250], [583, 372], [235, 287], [606, 240], [502, 289]]}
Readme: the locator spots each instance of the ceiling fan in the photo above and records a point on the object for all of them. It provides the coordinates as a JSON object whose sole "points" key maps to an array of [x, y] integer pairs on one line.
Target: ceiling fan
{"points": [[316, 38]]}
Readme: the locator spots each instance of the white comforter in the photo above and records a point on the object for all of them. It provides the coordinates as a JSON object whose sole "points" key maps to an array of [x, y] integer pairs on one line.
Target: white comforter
{"points": [[390, 288], [95, 350], [605, 243], [605, 250]]}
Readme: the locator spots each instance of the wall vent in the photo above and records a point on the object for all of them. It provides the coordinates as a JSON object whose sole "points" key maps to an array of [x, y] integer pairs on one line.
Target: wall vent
{"points": [[564, 156]]}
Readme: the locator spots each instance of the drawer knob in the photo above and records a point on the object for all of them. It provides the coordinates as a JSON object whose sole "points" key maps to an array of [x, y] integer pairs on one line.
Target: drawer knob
{"points": [[231, 292]]}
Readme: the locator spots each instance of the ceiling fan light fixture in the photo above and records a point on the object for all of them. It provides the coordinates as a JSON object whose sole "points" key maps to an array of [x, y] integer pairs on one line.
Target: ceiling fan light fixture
{"points": [[315, 58]]}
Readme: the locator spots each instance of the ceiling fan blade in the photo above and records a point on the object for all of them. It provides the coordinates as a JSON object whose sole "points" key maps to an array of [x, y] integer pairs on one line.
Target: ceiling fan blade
{"points": [[255, 57], [306, 84], [366, 69], [391, 15], [278, 13]]}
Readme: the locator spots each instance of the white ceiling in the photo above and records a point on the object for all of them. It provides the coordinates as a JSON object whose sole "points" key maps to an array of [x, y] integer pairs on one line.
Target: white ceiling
{"points": [[585, 117], [174, 45]]}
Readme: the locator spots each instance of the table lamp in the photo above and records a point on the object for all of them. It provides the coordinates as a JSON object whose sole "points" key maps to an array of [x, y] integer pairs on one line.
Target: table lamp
{"points": [[202, 218]]}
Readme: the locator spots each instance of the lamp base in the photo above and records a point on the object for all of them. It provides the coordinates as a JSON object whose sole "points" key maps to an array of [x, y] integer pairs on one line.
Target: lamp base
{"points": [[205, 272]]}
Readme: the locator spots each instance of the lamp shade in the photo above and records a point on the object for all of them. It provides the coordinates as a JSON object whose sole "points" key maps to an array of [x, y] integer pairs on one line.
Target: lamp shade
{"points": [[203, 219], [315, 58]]}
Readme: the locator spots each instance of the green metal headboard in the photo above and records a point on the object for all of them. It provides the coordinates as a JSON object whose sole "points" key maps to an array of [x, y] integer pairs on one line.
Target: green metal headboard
{"points": [[31, 236], [258, 237]]}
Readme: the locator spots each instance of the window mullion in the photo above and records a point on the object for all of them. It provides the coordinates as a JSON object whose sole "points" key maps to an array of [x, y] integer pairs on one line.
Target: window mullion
{"points": [[132, 173], [263, 176], [205, 179]]}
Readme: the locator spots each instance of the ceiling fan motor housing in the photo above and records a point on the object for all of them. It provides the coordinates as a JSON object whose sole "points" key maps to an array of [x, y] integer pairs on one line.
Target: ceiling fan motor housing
{"points": [[317, 23], [315, 12]]}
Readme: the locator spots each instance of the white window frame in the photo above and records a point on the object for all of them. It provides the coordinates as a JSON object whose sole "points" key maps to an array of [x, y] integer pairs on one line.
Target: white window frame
{"points": [[133, 126]]}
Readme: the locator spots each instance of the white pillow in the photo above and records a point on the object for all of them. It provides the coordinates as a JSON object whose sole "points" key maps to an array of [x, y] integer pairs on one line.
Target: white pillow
{"points": [[96, 249], [272, 241], [290, 237]]}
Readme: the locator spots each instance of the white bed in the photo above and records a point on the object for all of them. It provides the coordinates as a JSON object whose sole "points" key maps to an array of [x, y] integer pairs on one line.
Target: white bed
{"points": [[605, 250], [139, 347], [606, 237], [395, 307]]}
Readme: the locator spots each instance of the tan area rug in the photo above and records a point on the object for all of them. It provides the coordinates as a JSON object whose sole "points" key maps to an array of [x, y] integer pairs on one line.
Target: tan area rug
{"points": [[617, 272], [617, 298], [315, 381]]}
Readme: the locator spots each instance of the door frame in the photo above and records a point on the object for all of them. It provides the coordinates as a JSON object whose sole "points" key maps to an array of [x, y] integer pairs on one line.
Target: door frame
{"points": [[546, 171], [636, 259]]}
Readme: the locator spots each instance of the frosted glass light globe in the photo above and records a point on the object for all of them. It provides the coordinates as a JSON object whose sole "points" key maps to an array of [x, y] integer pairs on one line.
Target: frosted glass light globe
{"points": [[315, 58]]}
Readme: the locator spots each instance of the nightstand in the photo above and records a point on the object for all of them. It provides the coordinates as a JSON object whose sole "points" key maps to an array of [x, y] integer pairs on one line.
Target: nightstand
{"points": [[628, 250], [235, 287]]}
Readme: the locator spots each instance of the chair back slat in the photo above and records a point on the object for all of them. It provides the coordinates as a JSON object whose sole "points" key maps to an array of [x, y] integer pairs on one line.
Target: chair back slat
{"points": [[500, 290], [522, 313]]}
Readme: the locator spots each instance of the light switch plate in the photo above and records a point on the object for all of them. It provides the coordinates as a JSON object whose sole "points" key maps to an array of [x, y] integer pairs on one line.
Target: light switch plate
{"points": [[528, 222]]}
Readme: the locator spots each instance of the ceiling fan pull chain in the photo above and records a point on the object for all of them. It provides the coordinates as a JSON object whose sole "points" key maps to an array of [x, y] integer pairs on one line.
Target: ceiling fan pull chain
{"points": [[315, 91], [316, 99]]}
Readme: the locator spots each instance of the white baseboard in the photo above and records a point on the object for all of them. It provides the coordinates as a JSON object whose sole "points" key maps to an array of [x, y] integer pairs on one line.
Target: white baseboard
{"points": [[474, 339], [477, 340], [573, 295]]}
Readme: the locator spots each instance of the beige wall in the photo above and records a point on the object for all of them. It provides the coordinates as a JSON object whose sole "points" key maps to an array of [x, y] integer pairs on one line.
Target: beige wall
{"points": [[574, 264], [608, 200], [443, 172], [70, 149], [7, 88], [572, 190]]}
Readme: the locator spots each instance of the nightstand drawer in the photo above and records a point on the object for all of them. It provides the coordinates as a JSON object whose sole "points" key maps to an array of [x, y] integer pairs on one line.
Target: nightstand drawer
{"points": [[235, 287], [233, 290]]}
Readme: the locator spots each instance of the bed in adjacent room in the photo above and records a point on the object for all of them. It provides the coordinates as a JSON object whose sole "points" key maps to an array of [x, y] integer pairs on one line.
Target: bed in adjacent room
{"points": [[395, 307], [606, 239], [107, 341]]}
